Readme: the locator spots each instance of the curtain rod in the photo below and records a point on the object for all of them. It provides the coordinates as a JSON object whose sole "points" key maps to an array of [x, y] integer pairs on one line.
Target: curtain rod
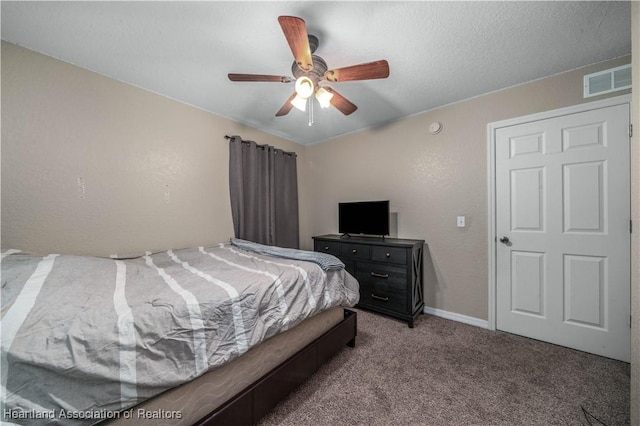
{"points": [[291, 154], [227, 137]]}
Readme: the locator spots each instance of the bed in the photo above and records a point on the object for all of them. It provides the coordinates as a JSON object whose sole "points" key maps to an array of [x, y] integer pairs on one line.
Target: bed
{"points": [[194, 336]]}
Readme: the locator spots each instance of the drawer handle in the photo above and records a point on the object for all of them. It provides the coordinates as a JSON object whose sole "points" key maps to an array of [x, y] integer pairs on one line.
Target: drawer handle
{"points": [[384, 299], [354, 251], [374, 274], [388, 255]]}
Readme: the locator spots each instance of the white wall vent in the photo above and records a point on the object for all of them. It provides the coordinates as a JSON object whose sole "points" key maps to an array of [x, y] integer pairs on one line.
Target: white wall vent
{"points": [[607, 81]]}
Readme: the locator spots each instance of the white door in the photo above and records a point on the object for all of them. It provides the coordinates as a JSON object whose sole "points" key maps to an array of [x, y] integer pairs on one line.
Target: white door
{"points": [[562, 223]]}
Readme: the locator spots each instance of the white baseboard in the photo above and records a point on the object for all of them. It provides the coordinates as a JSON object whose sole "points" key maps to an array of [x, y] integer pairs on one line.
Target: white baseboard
{"points": [[457, 317]]}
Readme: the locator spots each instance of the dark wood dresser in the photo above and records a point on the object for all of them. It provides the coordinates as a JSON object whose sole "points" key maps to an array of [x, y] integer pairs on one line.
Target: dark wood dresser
{"points": [[389, 271]]}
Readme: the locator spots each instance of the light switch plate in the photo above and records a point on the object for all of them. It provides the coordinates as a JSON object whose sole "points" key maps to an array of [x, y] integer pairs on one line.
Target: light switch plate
{"points": [[461, 222]]}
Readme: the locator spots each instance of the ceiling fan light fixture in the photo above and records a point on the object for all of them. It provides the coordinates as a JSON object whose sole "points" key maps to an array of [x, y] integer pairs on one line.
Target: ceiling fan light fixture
{"points": [[304, 87], [324, 97], [300, 103], [309, 70]]}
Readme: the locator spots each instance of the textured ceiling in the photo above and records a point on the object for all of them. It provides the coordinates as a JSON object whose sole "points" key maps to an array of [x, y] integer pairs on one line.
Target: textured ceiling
{"points": [[438, 52]]}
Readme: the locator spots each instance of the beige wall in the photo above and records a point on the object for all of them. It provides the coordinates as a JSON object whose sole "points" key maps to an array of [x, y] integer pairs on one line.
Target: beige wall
{"points": [[61, 123], [635, 212], [432, 179]]}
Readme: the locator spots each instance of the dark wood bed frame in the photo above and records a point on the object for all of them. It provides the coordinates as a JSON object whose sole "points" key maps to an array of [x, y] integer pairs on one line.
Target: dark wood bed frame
{"points": [[251, 404]]}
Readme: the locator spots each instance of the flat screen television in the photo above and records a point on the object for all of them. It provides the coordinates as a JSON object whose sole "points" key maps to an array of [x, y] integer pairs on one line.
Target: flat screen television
{"points": [[364, 217]]}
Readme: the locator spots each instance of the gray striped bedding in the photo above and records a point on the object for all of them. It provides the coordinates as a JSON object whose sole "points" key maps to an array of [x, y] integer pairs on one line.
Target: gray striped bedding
{"points": [[86, 338], [325, 260]]}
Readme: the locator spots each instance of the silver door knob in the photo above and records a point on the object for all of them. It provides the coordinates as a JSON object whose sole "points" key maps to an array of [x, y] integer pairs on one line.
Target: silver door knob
{"points": [[504, 240]]}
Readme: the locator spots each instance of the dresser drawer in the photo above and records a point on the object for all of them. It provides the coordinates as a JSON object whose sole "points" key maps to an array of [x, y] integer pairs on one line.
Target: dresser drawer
{"points": [[383, 296], [330, 247], [382, 274], [389, 254], [355, 251]]}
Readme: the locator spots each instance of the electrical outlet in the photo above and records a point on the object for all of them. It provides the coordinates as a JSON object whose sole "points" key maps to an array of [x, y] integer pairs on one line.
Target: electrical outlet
{"points": [[461, 222]]}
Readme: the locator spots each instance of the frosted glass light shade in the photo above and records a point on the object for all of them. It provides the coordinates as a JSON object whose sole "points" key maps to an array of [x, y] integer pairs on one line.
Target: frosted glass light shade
{"points": [[300, 103], [324, 97], [304, 87]]}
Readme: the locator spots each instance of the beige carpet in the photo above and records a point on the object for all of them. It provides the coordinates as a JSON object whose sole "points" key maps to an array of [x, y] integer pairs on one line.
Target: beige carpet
{"points": [[446, 373]]}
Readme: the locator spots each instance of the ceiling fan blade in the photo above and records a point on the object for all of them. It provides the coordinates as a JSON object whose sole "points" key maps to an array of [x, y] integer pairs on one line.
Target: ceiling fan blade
{"points": [[341, 103], [259, 77], [284, 110], [295, 31], [368, 71]]}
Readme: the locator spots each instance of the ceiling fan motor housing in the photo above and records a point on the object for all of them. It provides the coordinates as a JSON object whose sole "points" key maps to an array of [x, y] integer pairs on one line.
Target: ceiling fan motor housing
{"points": [[316, 74], [313, 42]]}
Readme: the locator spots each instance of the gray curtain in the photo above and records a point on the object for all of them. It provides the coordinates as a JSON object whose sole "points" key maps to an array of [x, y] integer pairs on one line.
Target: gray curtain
{"points": [[263, 184]]}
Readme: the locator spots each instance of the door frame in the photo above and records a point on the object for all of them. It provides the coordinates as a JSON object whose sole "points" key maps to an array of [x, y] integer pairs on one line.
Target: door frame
{"points": [[491, 180]]}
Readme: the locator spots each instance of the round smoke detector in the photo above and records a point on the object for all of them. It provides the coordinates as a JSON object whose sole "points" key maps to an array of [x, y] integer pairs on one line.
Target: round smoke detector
{"points": [[435, 128]]}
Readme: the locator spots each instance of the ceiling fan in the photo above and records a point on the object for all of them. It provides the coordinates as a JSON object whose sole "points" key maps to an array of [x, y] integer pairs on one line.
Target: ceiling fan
{"points": [[310, 70]]}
